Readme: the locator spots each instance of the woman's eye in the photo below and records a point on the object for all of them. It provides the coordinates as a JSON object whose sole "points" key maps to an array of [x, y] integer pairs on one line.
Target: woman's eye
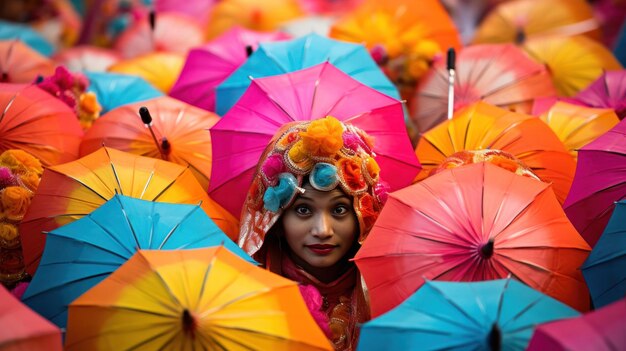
{"points": [[303, 210], [340, 210]]}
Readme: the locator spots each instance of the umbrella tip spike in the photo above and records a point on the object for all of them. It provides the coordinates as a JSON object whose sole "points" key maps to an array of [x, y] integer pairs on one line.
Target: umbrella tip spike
{"points": [[495, 338], [486, 251], [451, 59], [249, 50], [144, 113]]}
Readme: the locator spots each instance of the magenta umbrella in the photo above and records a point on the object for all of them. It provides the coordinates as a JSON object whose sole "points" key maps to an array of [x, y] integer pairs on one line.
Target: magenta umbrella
{"points": [[598, 183], [240, 137], [608, 91], [208, 65], [601, 330]]}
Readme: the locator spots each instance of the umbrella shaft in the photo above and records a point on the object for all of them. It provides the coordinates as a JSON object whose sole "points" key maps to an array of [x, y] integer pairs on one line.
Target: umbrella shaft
{"points": [[451, 75]]}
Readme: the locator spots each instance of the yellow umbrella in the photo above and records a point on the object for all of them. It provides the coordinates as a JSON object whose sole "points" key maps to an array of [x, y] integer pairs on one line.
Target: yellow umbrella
{"points": [[202, 299], [577, 125], [257, 15], [160, 69], [574, 62]]}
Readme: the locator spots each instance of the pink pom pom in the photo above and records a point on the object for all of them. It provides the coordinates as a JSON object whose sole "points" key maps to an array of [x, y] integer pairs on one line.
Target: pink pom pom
{"points": [[313, 300], [379, 54], [351, 141], [7, 178], [381, 191], [272, 167], [63, 78]]}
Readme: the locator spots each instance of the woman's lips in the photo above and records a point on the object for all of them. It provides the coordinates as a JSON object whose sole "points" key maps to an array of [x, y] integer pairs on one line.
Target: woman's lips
{"points": [[321, 249]]}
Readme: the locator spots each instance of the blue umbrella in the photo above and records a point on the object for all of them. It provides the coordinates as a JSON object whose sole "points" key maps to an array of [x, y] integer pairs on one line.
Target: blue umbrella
{"points": [[80, 254], [292, 55], [114, 90], [29, 36], [620, 45], [605, 268], [487, 315]]}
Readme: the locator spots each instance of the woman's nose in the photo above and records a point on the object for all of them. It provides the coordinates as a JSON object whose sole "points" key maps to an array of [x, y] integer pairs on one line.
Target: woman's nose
{"points": [[323, 226]]}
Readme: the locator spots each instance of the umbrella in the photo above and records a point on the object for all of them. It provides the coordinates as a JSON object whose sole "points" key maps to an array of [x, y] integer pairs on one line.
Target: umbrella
{"points": [[476, 222], [608, 91], [515, 21], [172, 32], [577, 126], [23, 329], [262, 16], [159, 69], [574, 62], [482, 126], [492, 315], [27, 35], [500, 74], [598, 183], [82, 253], [38, 123], [115, 90], [620, 45], [198, 10], [604, 268], [182, 133], [600, 330], [72, 190], [219, 302], [288, 56], [240, 137], [86, 58], [208, 65], [21, 64], [328, 7]]}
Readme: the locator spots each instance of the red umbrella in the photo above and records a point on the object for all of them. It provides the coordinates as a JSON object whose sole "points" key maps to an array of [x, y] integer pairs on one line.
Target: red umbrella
{"points": [[240, 137], [475, 222]]}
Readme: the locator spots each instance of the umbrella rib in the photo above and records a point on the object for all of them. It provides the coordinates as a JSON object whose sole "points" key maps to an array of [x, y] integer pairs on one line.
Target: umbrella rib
{"points": [[456, 306], [171, 232], [130, 225], [221, 334], [112, 236], [211, 341], [8, 106]]}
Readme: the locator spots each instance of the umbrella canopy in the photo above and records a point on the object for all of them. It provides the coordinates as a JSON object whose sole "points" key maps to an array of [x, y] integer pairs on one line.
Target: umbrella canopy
{"points": [[491, 315], [475, 222], [576, 125], [252, 14], [172, 32], [220, 303], [26, 34], [23, 329], [38, 123], [86, 58], [272, 59], [600, 330], [240, 137], [72, 190], [115, 90], [604, 269], [598, 183], [500, 74], [620, 45], [81, 254], [207, 66], [515, 21], [608, 91], [21, 64], [574, 62], [482, 126], [198, 10], [159, 69], [181, 130]]}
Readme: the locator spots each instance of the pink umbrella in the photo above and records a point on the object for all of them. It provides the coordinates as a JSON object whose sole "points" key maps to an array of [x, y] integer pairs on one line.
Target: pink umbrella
{"points": [[608, 91], [196, 9], [87, 58], [240, 137], [601, 330], [598, 183], [207, 66]]}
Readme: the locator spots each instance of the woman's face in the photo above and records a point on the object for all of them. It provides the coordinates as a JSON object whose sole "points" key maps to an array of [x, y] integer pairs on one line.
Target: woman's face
{"points": [[320, 229]]}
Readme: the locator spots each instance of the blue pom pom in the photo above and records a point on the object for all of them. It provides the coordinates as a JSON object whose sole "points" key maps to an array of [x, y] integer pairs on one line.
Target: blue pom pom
{"points": [[324, 176], [281, 194]]}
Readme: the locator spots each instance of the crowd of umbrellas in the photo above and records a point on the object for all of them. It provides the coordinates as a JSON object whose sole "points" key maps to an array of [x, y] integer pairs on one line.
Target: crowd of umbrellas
{"points": [[130, 132]]}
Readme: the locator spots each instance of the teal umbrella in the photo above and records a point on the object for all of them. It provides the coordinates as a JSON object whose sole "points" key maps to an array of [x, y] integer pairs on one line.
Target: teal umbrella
{"points": [[287, 56], [114, 90], [29, 36], [80, 254], [487, 315]]}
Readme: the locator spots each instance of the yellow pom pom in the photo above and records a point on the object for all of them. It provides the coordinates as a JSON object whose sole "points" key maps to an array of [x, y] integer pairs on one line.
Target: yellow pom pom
{"points": [[20, 162]]}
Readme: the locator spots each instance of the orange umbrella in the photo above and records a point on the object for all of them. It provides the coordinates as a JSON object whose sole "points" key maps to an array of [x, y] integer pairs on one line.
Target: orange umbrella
{"points": [[21, 64], [201, 299], [181, 134], [159, 69], [574, 62], [72, 190], [482, 126], [500, 74], [577, 125], [476, 222], [514, 21], [264, 15], [172, 33], [38, 123], [23, 329]]}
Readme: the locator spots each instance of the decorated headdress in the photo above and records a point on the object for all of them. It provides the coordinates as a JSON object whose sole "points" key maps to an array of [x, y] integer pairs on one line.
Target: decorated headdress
{"points": [[329, 154]]}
